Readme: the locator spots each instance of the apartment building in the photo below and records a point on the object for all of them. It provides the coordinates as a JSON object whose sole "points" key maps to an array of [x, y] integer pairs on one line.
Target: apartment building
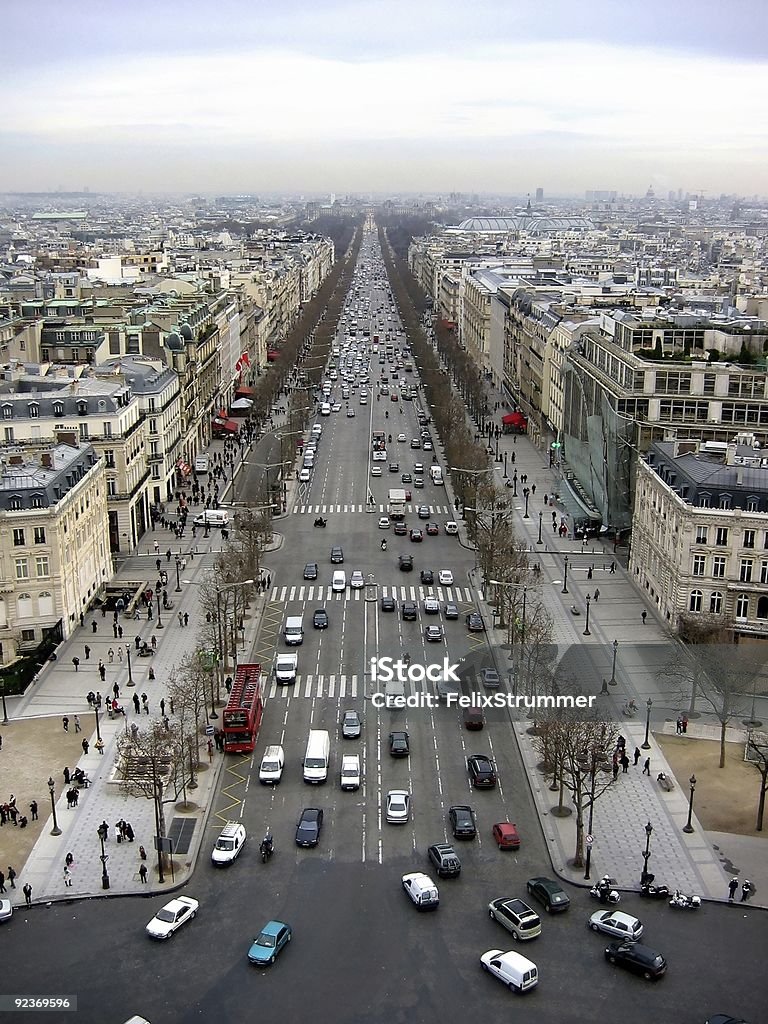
{"points": [[700, 531], [54, 542]]}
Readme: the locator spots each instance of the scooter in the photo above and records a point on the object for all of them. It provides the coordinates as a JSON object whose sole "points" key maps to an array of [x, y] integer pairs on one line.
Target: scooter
{"points": [[683, 902], [654, 892], [320, 521], [266, 849], [605, 892], [383, 545]]}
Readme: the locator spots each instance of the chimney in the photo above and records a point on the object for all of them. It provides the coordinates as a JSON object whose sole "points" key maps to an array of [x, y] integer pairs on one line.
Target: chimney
{"points": [[46, 460]]}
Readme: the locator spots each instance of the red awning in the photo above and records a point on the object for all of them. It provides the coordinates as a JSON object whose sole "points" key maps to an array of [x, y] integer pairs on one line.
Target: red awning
{"points": [[183, 467], [513, 418], [226, 426], [244, 392]]}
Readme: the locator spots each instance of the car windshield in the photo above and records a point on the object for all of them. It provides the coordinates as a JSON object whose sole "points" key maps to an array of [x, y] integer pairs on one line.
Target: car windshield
{"points": [[165, 915], [265, 940], [225, 844]]}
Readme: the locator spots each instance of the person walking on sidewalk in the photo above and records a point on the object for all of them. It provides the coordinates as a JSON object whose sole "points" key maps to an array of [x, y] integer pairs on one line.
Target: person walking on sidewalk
{"points": [[136, 704], [746, 888], [12, 877], [644, 616], [145, 703], [647, 766], [77, 723], [27, 890], [116, 690], [733, 885], [33, 810], [76, 662], [102, 672], [2, 882], [143, 873], [85, 745], [65, 723], [111, 655], [67, 877], [684, 723], [638, 755], [624, 764], [679, 726]]}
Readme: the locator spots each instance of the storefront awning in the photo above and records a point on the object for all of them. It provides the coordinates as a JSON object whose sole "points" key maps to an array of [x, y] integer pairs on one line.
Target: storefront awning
{"points": [[244, 392], [183, 467], [241, 405], [225, 427]]}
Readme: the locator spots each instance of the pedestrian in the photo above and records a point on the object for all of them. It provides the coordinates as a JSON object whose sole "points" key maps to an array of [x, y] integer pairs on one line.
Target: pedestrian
{"points": [[94, 627], [168, 554], [746, 888], [85, 745], [186, 618], [136, 704], [12, 877], [142, 853], [638, 755], [67, 877], [65, 723], [210, 749], [120, 655], [98, 698], [99, 744], [82, 619], [33, 810], [120, 635], [76, 662], [128, 832], [77, 723], [613, 568], [181, 619], [162, 706], [684, 723], [145, 703], [143, 873], [116, 690], [69, 860], [533, 488], [114, 630], [647, 766], [170, 703], [228, 684], [137, 640], [102, 671], [153, 643], [27, 890], [624, 764], [2, 882], [589, 573], [157, 547], [679, 725], [158, 563], [87, 651], [644, 616], [733, 885]]}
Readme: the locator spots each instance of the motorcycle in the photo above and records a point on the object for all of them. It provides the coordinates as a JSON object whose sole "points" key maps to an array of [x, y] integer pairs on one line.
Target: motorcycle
{"points": [[266, 849], [604, 891], [383, 545], [654, 892], [389, 439], [320, 521], [683, 902]]}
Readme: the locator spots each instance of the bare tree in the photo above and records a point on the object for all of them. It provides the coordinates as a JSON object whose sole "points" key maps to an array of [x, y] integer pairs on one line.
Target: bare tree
{"points": [[757, 755]]}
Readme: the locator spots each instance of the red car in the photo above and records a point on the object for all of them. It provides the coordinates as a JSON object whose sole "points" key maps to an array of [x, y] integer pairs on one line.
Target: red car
{"points": [[506, 836], [432, 530]]}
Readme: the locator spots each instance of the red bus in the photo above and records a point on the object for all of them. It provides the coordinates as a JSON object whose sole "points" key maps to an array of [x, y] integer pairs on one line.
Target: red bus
{"points": [[242, 715]]}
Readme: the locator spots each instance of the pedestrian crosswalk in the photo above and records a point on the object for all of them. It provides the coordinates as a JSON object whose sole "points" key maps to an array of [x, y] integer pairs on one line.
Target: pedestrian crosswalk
{"points": [[412, 509], [322, 594], [327, 686]]}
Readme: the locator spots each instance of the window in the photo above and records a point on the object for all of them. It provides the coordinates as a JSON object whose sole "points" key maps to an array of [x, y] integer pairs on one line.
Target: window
{"points": [[7, 412], [764, 572], [58, 408], [39, 535], [36, 501], [83, 431], [745, 570], [725, 501], [699, 565], [107, 429], [715, 602], [703, 501], [721, 536], [742, 606], [18, 538], [8, 434], [27, 636], [719, 563], [42, 566], [749, 538], [22, 569], [109, 456], [702, 532], [34, 410], [753, 504], [695, 603], [15, 503], [111, 488]]}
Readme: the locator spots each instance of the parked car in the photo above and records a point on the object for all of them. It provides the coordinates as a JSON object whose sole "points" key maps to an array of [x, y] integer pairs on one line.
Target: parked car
{"points": [[309, 826], [462, 821], [549, 893], [451, 528], [444, 859], [506, 836], [271, 940], [482, 773], [637, 958], [398, 744]]}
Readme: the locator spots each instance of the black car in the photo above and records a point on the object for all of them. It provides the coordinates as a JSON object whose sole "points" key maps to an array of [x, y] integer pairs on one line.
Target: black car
{"points": [[638, 958], [444, 859], [406, 478], [427, 577], [309, 826], [482, 774], [394, 467], [409, 611], [401, 530], [310, 571], [405, 562], [337, 556], [549, 893], [462, 821], [387, 604], [475, 622], [398, 744], [320, 619]]}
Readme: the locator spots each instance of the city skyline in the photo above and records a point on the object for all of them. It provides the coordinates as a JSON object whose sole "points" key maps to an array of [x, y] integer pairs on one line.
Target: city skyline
{"points": [[388, 98]]}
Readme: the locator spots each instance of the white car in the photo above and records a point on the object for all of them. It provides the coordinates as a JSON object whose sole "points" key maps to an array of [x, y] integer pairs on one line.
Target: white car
{"points": [[305, 475], [380, 455], [375, 470], [229, 844], [445, 577], [356, 580], [514, 970], [384, 523], [398, 806], [172, 916], [6, 910], [616, 923], [431, 606], [451, 528], [401, 437]]}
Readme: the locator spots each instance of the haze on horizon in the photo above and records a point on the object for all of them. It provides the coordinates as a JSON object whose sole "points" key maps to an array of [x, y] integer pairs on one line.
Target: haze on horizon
{"points": [[386, 96]]}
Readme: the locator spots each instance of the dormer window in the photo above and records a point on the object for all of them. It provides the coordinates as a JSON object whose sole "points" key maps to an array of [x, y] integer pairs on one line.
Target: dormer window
{"points": [[15, 503], [34, 410], [726, 501], [58, 408], [36, 501], [7, 412], [82, 408]]}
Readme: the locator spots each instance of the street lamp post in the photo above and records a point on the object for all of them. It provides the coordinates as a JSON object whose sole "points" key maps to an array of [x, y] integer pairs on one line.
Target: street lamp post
{"points": [[688, 827], [5, 709], [159, 619], [514, 481], [55, 831], [505, 463], [612, 680], [103, 858], [527, 494], [588, 860], [646, 853], [541, 517], [178, 580], [648, 705], [98, 731], [498, 457], [565, 575], [586, 627], [130, 673]]}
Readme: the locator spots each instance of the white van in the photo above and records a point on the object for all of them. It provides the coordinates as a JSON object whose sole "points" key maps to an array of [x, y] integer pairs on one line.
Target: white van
{"points": [[325, 409], [294, 630], [437, 475], [515, 970], [202, 463], [316, 756], [212, 517], [271, 770], [339, 581], [350, 771]]}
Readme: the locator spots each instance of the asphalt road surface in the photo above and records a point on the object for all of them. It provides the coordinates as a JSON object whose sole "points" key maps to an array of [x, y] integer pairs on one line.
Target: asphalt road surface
{"points": [[361, 953]]}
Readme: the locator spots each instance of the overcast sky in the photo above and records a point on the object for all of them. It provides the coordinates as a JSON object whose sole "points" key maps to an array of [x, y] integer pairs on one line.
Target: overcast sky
{"points": [[388, 96]]}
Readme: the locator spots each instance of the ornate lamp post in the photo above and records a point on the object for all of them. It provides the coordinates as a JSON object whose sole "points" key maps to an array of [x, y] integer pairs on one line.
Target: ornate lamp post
{"points": [[646, 853], [178, 581], [612, 680], [130, 673], [98, 731], [159, 623], [648, 705], [688, 827], [586, 628], [514, 481], [103, 858], [55, 831], [539, 540], [527, 494], [565, 575]]}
